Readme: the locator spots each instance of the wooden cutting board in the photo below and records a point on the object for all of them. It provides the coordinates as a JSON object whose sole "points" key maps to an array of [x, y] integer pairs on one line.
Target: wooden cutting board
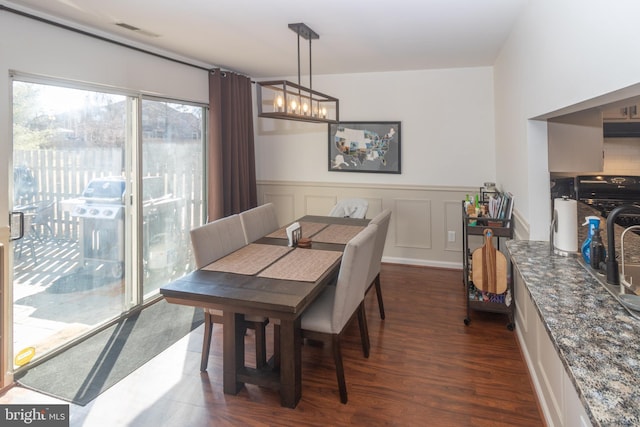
{"points": [[489, 267]]}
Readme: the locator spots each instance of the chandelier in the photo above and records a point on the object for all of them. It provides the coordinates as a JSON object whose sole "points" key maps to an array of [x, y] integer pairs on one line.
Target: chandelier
{"points": [[281, 99]]}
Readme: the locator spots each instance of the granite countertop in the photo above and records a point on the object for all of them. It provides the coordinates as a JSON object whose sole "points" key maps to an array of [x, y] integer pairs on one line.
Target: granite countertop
{"points": [[597, 340]]}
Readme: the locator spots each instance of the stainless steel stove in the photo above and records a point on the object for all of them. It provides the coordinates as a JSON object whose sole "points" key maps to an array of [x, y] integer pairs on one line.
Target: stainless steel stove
{"points": [[602, 192]]}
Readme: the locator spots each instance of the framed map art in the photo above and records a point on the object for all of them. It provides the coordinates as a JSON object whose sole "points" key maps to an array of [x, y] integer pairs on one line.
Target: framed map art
{"points": [[364, 147]]}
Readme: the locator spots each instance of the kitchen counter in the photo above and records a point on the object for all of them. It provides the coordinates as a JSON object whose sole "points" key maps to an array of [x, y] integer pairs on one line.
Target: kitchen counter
{"points": [[596, 339]]}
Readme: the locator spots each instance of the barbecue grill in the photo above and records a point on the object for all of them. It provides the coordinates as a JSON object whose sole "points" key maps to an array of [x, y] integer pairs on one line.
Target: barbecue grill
{"points": [[101, 224]]}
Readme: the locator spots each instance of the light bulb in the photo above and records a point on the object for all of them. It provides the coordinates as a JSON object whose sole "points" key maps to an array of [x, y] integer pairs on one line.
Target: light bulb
{"points": [[305, 108], [279, 101], [324, 112], [294, 105]]}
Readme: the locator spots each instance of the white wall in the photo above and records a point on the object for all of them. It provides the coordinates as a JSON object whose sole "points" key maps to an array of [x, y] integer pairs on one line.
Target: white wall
{"points": [[31, 47], [447, 128], [560, 54]]}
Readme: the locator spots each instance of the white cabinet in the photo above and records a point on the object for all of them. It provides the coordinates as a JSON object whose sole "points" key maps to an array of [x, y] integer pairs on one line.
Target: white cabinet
{"points": [[576, 143], [557, 395], [574, 412], [626, 113]]}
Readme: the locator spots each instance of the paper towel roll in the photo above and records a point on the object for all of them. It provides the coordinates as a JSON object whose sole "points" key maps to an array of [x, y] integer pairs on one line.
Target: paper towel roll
{"points": [[565, 234]]}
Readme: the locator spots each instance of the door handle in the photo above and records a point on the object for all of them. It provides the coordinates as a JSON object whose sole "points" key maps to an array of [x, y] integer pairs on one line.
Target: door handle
{"points": [[16, 218]]}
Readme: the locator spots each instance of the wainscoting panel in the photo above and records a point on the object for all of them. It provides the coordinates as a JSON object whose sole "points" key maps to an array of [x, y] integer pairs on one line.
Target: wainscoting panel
{"points": [[421, 216], [375, 206], [284, 203], [318, 204], [520, 226], [418, 214]]}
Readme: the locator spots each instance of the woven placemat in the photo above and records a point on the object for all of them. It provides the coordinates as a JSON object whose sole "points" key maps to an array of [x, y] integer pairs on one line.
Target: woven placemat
{"points": [[338, 233], [308, 230], [305, 265], [249, 259]]}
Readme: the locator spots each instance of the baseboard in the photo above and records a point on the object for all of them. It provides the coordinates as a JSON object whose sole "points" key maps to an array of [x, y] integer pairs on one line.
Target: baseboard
{"points": [[424, 263]]}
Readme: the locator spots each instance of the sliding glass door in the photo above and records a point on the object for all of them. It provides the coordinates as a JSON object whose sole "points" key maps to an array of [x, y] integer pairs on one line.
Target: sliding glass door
{"points": [[106, 187], [172, 188]]}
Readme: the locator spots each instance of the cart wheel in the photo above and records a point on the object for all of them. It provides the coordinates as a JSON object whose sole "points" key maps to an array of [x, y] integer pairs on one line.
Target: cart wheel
{"points": [[117, 270], [511, 326], [467, 321]]}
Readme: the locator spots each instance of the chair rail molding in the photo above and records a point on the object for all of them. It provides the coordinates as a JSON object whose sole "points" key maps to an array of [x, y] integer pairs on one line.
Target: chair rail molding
{"points": [[422, 215]]}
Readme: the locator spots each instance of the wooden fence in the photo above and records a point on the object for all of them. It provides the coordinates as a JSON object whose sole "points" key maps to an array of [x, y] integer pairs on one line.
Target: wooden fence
{"points": [[62, 175]]}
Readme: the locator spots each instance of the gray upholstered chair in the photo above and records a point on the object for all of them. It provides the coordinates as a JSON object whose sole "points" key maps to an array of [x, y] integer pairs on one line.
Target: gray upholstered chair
{"points": [[350, 208], [327, 317], [211, 242], [382, 222], [259, 221]]}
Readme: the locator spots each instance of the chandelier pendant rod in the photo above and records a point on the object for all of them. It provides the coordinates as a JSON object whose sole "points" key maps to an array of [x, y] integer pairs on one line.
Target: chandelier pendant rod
{"points": [[299, 82], [310, 66], [310, 74]]}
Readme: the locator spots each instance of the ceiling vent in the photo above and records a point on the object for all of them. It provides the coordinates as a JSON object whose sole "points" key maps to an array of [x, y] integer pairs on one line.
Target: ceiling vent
{"points": [[136, 29]]}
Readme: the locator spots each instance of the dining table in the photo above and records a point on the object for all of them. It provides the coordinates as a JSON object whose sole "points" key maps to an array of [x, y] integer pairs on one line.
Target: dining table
{"points": [[271, 279]]}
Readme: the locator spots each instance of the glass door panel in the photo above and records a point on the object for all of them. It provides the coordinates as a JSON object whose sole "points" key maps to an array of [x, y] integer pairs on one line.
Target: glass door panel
{"points": [[172, 189], [68, 180]]}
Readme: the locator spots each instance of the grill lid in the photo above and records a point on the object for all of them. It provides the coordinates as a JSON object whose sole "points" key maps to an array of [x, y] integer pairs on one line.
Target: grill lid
{"points": [[105, 190]]}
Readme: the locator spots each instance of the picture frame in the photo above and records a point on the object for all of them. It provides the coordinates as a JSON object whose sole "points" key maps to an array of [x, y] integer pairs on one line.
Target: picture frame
{"points": [[373, 147]]}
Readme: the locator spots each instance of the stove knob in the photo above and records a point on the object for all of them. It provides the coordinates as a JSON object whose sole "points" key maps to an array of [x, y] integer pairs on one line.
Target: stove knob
{"points": [[81, 211], [107, 212], [94, 211]]}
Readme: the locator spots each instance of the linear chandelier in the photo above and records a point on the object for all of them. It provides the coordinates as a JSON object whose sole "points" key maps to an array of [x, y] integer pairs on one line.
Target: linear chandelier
{"points": [[282, 99]]}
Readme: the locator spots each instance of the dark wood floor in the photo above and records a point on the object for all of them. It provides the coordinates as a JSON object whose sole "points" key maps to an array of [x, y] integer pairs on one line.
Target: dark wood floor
{"points": [[426, 368]]}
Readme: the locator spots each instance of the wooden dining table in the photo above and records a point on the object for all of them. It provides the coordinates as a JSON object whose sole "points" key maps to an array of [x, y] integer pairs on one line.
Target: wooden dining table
{"points": [[276, 283]]}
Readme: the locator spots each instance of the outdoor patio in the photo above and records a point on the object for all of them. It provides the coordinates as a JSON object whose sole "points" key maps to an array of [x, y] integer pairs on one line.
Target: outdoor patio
{"points": [[56, 298], [52, 300]]}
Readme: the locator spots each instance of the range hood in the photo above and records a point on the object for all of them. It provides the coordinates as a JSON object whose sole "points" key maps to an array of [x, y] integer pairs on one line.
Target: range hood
{"points": [[621, 129]]}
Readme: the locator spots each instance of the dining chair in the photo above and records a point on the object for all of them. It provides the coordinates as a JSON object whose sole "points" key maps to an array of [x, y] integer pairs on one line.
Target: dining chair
{"points": [[350, 208], [38, 217], [259, 221], [211, 242], [43, 217], [382, 222], [327, 317]]}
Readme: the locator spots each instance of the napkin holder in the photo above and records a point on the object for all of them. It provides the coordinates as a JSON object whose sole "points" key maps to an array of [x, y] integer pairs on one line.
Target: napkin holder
{"points": [[294, 232]]}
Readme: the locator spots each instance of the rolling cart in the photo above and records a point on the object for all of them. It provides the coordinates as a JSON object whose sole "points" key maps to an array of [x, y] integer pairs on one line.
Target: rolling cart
{"points": [[479, 298]]}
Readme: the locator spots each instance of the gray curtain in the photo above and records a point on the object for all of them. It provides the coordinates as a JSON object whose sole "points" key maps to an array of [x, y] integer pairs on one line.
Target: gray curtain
{"points": [[231, 162]]}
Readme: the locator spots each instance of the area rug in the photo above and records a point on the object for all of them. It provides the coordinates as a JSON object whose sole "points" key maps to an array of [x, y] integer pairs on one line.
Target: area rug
{"points": [[82, 372]]}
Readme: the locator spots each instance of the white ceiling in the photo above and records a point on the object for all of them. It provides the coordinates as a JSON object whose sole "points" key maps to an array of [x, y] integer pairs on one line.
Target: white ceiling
{"points": [[252, 37]]}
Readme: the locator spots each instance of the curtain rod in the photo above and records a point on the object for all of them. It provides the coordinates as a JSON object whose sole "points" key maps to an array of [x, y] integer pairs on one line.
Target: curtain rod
{"points": [[223, 73], [106, 39]]}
